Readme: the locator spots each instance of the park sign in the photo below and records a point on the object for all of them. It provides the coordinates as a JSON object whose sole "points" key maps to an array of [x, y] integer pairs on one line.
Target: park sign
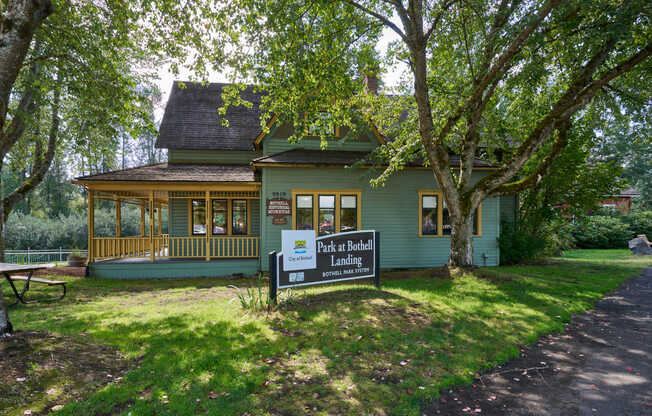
{"points": [[337, 257]]}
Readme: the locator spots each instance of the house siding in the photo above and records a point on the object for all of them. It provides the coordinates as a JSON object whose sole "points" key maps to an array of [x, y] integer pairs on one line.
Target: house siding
{"points": [[392, 210], [272, 145], [212, 156], [178, 217], [174, 269]]}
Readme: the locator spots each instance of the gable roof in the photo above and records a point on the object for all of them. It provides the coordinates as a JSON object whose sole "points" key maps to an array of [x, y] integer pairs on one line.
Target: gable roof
{"points": [[191, 120], [164, 172]]}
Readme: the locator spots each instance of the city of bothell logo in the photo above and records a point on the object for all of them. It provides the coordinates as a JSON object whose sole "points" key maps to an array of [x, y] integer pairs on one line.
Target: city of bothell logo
{"points": [[300, 247]]}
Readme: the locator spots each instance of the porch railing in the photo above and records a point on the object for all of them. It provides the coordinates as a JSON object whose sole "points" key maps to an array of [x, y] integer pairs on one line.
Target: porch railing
{"points": [[176, 247], [118, 247], [216, 246]]}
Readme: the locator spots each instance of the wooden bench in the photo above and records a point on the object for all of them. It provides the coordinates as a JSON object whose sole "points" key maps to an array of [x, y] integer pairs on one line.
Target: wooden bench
{"points": [[20, 296], [644, 237]]}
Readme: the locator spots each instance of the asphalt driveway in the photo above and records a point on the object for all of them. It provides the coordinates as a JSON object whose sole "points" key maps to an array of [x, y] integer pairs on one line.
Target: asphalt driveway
{"points": [[601, 365]]}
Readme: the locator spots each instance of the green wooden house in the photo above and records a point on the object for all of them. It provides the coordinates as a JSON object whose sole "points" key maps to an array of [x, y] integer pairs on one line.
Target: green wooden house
{"points": [[229, 192]]}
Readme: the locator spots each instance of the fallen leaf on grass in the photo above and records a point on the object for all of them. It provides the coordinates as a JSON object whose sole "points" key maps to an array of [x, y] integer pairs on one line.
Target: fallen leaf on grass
{"points": [[265, 383], [213, 395]]}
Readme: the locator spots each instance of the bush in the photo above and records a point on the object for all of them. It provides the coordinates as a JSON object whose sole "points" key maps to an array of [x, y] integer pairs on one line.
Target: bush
{"points": [[601, 231], [558, 237], [26, 231], [518, 246], [639, 222]]}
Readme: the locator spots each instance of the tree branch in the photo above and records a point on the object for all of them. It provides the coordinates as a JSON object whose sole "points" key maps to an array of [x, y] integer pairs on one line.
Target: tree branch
{"points": [[380, 17], [438, 18], [498, 68], [578, 94], [41, 162], [557, 147]]}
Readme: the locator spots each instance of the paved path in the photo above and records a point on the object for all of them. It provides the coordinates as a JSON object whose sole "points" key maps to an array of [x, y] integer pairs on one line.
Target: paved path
{"points": [[601, 365]]}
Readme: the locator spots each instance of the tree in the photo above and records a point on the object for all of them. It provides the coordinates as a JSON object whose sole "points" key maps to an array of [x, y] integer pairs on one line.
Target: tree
{"points": [[509, 75], [69, 72]]}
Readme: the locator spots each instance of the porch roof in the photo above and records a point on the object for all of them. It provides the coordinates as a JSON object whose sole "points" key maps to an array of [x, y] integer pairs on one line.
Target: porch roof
{"points": [[164, 172]]}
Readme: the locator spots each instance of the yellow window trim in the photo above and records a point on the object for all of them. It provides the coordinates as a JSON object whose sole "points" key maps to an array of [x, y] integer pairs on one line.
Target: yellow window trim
{"points": [[440, 215], [315, 205], [209, 215]]}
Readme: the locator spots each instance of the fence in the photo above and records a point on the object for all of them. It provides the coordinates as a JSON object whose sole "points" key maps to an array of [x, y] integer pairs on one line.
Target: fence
{"points": [[40, 256]]}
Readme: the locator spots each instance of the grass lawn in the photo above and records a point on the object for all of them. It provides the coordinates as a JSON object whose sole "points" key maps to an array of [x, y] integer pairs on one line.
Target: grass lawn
{"points": [[338, 349]]}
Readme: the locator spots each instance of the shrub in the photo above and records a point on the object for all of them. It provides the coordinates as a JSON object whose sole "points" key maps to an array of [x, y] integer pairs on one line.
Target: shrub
{"points": [[639, 222], [26, 231], [601, 231], [518, 246]]}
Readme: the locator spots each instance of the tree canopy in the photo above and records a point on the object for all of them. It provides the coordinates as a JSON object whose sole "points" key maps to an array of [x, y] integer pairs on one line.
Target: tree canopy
{"points": [[511, 80]]}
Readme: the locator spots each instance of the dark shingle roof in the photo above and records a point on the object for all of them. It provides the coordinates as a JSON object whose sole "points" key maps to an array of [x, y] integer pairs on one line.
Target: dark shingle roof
{"points": [[164, 172], [631, 192], [339, 157], [191, 120]]}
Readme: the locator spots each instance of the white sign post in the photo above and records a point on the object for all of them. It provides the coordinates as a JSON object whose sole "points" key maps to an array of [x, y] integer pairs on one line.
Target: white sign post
{"points": [[299, 249]]}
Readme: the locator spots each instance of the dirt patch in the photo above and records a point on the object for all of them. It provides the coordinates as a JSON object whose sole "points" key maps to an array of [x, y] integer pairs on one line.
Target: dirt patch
{"points": [[42, 370], [62, 271]]}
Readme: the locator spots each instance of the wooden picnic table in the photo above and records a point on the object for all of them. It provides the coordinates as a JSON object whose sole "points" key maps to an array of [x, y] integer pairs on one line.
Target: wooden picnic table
{"points": [[8, 268]]}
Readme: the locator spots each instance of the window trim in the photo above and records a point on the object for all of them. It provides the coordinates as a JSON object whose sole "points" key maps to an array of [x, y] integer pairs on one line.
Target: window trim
{"points": [[191, 218], [229, 214], [440, 215], [315, 208]]}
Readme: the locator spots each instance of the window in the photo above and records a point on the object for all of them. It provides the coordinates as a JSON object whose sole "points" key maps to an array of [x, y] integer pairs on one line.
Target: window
{"points": [[429, 221], [227, 216], [198, 216], [434, 218], [332, 211], [348, 213], [326, 214], [304, 212], [239, 215], [220, 214]]}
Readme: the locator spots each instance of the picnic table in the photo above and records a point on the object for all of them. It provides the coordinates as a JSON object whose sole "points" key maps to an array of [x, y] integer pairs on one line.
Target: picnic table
{"points": [[8, 268]]}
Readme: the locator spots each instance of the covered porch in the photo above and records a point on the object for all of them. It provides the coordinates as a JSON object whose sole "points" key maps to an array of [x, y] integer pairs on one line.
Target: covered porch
{"points": [[210, 213]]}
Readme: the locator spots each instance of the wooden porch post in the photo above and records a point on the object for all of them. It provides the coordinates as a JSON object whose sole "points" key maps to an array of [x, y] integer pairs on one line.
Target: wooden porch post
{"points": [[118, 217], [91, 224], [142, 218], [159, 219], [209, 229], [151, 226]]}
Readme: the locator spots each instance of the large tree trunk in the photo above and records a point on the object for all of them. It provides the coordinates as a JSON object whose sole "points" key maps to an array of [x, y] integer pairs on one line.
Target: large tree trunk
{"points": [[5, 324], [461, 254]]}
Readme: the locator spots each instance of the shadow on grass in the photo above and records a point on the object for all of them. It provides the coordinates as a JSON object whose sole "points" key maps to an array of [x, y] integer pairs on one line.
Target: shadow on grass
{"points": [[344, 349]]}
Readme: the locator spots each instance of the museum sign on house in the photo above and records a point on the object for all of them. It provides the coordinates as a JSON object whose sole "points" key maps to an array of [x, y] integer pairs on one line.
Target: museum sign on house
{"points": [[230, 191]]}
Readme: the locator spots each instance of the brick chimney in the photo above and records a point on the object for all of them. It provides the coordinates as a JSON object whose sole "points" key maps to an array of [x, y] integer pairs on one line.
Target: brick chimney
{"points": [[371, 80]]}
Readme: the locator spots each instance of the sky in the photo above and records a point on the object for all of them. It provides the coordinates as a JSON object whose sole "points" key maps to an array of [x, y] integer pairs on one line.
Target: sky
{"points": [[166, 78]]}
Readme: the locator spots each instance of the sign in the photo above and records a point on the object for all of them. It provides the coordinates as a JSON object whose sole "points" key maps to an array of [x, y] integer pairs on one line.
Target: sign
{"points": [[299, 246], [278, 209], [343, 256]]}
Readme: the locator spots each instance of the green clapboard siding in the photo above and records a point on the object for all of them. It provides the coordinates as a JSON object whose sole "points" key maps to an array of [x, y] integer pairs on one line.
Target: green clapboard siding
{"points": [[212, 156], [277, 145], [255, 217], [174, 269], [392, 210], [178, 217]]}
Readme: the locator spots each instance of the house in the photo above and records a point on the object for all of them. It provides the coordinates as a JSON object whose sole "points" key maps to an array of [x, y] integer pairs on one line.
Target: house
{"points": [[622, 201], [229, 192]]}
